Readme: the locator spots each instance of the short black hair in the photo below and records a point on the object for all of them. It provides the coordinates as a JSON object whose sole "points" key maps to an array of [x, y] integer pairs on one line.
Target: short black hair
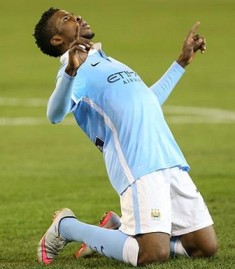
{"points": [[44, 31]]}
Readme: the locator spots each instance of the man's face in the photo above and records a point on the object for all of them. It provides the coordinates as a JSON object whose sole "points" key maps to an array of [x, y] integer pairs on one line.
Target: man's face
{"points": [[69, 26]]}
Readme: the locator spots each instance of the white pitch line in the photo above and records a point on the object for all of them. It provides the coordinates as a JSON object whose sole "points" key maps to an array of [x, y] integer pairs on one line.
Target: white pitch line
{"points": [[26, 102], [174, 114], [201, 111], [30, 121], [6, 121], [182, 114]]}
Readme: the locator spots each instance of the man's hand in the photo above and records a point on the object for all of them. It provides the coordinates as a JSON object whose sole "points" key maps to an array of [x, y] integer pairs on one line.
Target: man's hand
{"points": [[191, 45], [78, 52]]}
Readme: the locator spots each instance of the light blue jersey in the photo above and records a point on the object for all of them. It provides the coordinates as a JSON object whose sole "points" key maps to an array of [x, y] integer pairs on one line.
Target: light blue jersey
{"points": [[121, 115]]}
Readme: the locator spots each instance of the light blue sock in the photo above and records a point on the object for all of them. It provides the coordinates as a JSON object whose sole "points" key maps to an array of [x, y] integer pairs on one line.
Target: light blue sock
{"points": [[176, 247], [105, 241]]}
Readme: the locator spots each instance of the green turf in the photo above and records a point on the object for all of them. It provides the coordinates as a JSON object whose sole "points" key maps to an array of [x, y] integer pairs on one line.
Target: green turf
{"points": [[45, 167]]}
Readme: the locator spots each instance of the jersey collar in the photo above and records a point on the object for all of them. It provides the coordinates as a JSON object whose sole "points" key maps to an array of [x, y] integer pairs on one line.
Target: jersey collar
{"points": [[96, 47]]}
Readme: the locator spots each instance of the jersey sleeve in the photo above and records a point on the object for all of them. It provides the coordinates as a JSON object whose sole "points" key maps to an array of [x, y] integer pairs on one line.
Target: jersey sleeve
{"points": [[60, 103], [164, 86]]}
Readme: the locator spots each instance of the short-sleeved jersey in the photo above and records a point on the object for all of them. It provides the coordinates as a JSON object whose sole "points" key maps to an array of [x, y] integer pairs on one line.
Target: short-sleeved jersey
{"points": [[123, 118]]}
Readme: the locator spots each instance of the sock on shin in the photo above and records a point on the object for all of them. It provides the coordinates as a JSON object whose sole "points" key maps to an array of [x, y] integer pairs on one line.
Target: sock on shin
{"points": [[176, 247], [110, 243]]}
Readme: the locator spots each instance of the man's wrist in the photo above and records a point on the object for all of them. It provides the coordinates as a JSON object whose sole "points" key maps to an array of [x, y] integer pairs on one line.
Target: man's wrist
{"points": [[71, 71], [182, 62]]}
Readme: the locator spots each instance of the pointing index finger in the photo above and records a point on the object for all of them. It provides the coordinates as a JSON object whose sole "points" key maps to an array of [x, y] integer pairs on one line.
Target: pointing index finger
{"points": [[194, 29]]}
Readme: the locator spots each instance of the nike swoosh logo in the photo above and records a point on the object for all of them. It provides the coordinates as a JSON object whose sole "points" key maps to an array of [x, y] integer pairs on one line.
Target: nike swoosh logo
{"points": [[94, 64]]}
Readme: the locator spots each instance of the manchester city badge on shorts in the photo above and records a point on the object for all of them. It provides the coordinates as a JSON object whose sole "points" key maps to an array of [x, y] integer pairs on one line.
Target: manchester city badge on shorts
{"points": [[155, 214]]}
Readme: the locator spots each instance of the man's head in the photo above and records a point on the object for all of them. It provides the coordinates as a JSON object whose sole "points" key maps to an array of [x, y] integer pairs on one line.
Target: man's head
{"points": [[57, 28]]}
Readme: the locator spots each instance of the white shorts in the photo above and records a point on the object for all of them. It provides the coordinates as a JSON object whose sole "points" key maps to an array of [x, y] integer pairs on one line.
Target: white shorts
{"points": [[164, 201]]}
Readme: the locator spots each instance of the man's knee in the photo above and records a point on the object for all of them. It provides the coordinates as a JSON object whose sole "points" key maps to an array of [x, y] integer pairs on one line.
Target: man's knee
{"points": [[211, 249], [208, 251], [153, 248], [153, 256], [201, 243]]}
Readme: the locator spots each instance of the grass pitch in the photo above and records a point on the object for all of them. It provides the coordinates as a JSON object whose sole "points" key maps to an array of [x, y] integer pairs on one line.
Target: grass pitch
{"points": [[44, 167]]}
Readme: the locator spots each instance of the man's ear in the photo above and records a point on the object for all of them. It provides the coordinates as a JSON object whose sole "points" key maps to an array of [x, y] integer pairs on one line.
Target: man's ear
{"points": [[56, 40]]}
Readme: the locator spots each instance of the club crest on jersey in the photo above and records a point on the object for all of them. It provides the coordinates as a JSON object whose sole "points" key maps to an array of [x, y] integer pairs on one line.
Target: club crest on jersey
{"points": [[155, 214], [99, 143]]}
